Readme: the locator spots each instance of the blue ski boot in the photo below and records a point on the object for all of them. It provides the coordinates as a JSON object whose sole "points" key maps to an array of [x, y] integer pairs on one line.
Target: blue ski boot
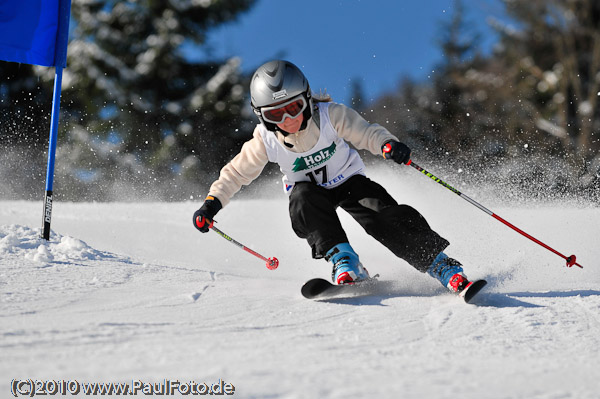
{"points": [[347, 268], [449, 272]]}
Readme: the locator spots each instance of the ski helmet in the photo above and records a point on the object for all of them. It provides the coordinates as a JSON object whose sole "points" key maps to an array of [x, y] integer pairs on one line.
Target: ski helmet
{"points": [[275, 82]]}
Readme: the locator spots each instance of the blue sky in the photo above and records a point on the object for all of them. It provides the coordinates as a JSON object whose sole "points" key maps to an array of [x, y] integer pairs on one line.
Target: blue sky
{"points": [[338, 41]]}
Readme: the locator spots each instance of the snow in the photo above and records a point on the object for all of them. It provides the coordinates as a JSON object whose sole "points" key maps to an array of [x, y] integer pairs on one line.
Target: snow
{"points": [[131, 291]]}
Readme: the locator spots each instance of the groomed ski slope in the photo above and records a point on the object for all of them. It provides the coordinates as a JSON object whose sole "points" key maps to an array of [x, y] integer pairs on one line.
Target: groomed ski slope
{"points": [[131, 291]]}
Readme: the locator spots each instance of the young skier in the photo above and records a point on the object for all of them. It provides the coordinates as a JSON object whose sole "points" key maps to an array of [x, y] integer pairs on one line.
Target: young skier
{"points": [[307, 136]]}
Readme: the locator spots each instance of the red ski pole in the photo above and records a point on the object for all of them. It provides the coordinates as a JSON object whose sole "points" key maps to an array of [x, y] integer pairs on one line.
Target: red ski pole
{"points": [[272, 263], [571, 260]]}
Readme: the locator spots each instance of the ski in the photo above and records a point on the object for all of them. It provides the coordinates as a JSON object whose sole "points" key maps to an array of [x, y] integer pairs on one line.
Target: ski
{"points": [[468, 293], [319, 288]]}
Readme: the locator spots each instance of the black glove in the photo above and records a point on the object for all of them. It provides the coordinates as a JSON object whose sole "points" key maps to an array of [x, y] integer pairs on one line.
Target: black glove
{"points": [[397, 151], [203, 217]]}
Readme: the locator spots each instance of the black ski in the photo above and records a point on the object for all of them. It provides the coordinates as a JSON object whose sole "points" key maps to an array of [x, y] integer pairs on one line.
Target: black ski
{"points": [[468, 293], [319, 288]]}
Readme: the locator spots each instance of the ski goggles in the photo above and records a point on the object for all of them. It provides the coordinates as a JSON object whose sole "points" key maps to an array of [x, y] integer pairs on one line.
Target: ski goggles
{"points": [[278, 113]]}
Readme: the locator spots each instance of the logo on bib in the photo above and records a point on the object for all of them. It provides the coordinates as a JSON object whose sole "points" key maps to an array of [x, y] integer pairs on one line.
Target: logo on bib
{"points": [[312, 160]]}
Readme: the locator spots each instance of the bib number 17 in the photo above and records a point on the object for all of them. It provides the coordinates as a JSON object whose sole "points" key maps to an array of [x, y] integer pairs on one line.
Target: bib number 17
{"points": [[321, 171]]}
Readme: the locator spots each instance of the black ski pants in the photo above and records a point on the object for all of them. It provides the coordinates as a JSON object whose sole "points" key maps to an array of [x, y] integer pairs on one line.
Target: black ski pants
{"points": [[401, 228]]}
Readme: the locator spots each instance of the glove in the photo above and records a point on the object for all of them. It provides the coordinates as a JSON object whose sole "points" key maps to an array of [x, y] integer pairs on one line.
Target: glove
{"points": [[397, 151], [203, 217]]}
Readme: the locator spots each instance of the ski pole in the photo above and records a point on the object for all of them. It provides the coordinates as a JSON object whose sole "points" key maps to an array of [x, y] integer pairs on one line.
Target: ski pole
{"points": [[272, 263], [571, 260]]}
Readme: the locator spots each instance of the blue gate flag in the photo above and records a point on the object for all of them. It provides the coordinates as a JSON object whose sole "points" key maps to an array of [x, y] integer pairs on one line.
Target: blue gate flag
{"points": [[34, 31], [37, 32]]}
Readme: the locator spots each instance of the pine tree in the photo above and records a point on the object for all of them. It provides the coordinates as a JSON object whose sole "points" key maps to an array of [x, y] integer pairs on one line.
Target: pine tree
{"points": [[453, 105], [22, 98], [25, 104], [553, 60], [135, 103], [357, 97]]}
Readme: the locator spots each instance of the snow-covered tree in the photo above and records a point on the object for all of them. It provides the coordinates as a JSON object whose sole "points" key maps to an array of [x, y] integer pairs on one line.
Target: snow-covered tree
{"points": [[552, 53], [529, 110], [137, 103]]}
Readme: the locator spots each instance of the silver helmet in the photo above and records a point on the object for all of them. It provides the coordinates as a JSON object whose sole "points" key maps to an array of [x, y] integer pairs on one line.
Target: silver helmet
{"points": [[275, 82]]}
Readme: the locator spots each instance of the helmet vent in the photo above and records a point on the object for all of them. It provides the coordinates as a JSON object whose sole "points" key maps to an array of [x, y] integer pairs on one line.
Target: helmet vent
{"points": [[279, 94]]}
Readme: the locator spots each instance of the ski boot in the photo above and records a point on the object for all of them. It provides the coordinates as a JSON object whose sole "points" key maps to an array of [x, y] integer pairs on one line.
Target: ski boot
{"points": [[347, 269], [450, 273]]}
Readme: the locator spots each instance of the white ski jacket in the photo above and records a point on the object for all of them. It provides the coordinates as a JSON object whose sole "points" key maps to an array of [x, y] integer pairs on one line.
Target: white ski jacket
{"points": [[253, 157]]}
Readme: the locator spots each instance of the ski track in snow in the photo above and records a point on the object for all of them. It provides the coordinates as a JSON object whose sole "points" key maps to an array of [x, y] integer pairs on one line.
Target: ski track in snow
{"points": [[127, 292]]}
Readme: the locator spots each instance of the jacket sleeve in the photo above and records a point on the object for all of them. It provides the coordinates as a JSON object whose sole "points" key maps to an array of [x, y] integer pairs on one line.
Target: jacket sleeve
{"points": [[355, 129], [241, 170]]}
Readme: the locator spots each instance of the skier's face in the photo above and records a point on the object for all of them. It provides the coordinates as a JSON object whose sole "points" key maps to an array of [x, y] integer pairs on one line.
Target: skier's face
{"points": [[291, 125]]}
